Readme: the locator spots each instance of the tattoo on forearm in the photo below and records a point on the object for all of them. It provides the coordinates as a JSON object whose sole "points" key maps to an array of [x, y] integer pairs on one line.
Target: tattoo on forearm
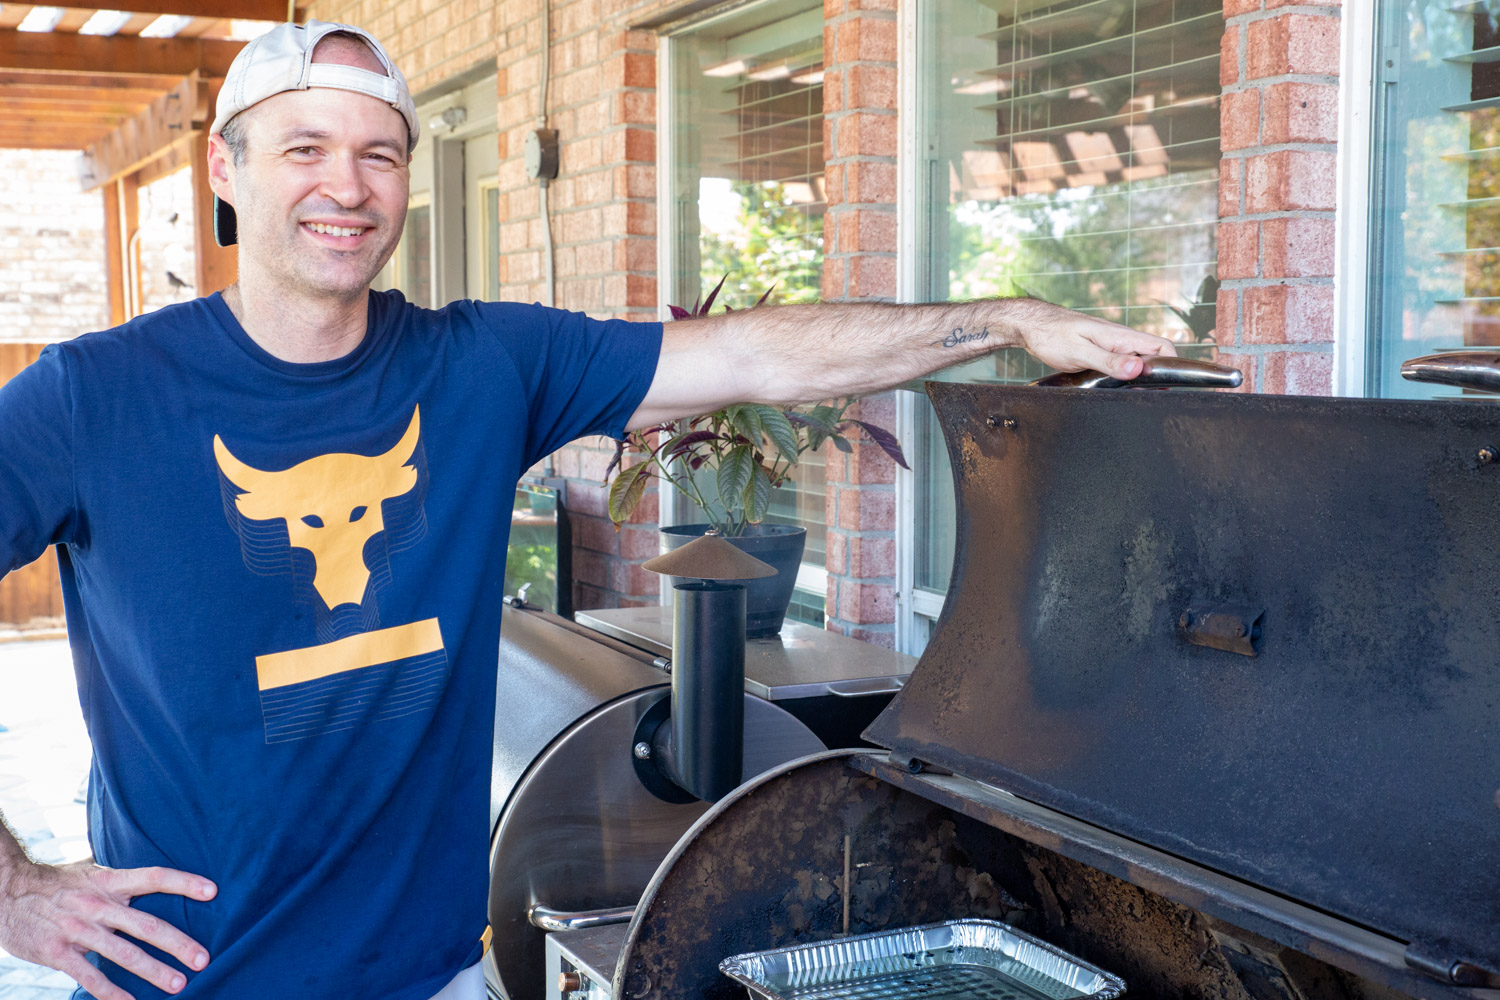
{"points": [[960, 336]]}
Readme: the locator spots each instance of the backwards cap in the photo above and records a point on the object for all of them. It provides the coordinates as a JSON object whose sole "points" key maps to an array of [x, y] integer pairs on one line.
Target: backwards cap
{"points": [[282, 60]]}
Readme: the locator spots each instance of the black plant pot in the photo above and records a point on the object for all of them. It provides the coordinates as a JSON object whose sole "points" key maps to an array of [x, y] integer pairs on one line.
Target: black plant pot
{"points": [[779, 545]]}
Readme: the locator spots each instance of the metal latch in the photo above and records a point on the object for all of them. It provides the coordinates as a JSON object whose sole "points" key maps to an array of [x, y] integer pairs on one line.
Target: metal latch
{"points": [[519, 601], [1232, 628]]}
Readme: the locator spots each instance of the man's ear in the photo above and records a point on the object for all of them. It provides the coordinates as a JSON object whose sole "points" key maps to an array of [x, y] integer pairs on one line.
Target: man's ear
{"points": [[220, 168]]}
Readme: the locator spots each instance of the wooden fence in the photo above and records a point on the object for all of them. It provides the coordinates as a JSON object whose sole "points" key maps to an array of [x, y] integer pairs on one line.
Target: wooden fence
{"points": [[31, 592]]}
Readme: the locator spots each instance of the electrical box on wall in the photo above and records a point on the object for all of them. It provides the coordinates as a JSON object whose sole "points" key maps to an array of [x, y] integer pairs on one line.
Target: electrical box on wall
{"points": [[541, 154]]}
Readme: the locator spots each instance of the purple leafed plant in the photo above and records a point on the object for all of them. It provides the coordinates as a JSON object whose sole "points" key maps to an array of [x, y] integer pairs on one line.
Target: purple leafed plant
{"points": [[729, 461]]}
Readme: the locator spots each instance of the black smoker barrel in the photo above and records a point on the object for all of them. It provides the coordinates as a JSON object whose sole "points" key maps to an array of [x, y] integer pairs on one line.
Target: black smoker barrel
{"points": [[1211, 704]]}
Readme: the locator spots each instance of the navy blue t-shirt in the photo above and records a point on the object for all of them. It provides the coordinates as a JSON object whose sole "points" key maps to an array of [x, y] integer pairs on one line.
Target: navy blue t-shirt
{"points": [[283, 586]]}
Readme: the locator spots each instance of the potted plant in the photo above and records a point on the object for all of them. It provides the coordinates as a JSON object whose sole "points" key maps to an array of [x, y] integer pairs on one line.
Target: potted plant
{"points": [[729, 463]]}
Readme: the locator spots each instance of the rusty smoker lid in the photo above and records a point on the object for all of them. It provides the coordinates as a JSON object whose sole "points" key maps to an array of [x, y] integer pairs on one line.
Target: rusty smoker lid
{"points": [[1120, 555]]}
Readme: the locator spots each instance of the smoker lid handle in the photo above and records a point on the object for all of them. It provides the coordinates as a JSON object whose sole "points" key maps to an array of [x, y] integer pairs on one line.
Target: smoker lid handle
{"points": [[1478, 370], [548, 919], [1158, 373]]}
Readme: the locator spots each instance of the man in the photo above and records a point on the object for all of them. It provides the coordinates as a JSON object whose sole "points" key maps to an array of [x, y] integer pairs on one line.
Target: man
{"points": [[281, 517]]}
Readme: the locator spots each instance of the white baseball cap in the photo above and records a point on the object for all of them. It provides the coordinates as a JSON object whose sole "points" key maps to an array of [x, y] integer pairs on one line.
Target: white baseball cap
{"points": [[282, 60]]}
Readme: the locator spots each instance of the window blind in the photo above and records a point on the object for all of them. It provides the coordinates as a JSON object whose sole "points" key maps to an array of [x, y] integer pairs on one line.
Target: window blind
{"points": [[1072, 153], [1102, 154], [1475, 266], [767, 121], [1434, 260], [750, 197]]}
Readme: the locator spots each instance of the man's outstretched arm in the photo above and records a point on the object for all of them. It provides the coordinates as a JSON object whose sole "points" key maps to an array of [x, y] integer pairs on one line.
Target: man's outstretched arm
{"points": [[54, 916], [795, 354]]}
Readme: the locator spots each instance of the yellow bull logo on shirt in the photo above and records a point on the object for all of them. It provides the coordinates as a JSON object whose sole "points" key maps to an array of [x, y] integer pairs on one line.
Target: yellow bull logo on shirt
{"points": [[331, 521], [331, 505]]}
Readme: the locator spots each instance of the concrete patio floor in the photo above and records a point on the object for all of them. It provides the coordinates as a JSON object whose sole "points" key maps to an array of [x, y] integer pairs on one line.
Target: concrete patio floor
{"points": [[44, 759]]}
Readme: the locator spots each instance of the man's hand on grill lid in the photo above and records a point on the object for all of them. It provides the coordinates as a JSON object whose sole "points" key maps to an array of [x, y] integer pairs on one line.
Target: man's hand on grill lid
{"points": [[802, 353], [1071, 341]]}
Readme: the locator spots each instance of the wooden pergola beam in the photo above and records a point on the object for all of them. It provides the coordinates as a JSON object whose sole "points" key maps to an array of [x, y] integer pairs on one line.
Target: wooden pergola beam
{"points": [[173, 160], [122, 261], [16, 137], [174, 117], [41, 112], [130, 100], [249, 10], [151, 86], [59, 52], [216, 267]]}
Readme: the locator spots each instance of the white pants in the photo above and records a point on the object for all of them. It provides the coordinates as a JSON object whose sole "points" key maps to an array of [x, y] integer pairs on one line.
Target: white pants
{"points": [[467, 985]]}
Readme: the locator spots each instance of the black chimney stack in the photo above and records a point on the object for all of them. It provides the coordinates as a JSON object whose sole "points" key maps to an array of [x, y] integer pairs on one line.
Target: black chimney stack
{"points": [[701, 746]]}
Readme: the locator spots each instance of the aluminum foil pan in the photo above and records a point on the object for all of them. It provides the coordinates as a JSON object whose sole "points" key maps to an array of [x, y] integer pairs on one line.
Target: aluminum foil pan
{"points": [[956, 960]]}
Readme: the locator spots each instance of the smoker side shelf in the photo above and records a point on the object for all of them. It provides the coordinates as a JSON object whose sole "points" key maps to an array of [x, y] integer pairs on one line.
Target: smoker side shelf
{"points": [[1338, 942]]}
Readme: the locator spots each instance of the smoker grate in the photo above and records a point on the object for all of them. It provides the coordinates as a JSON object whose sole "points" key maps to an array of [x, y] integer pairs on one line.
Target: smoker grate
{"points": [[957, 960]]}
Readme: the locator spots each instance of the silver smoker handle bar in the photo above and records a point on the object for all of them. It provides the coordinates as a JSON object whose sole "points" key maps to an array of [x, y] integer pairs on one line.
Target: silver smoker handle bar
{"points": [[1158, 373], [549, 919], [1476, 370]]}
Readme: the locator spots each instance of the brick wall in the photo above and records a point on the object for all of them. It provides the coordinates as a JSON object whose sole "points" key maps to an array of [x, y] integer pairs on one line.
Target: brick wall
{"points": [[602, 102], [51, 249], [860, 129], [602, 207], [1279, 123], [431, 40]]}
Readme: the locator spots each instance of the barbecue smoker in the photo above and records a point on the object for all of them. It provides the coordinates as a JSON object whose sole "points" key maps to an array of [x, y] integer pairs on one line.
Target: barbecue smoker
{"points": [[582, 806], [1212, 705]]}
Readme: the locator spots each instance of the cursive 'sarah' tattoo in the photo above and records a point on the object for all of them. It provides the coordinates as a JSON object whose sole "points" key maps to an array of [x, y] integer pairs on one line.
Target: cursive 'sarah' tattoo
{"points": [[959, 336]]}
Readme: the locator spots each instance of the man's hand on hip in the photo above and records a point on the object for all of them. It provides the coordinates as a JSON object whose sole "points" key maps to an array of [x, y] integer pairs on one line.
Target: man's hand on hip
{"points": [[54, 916]]}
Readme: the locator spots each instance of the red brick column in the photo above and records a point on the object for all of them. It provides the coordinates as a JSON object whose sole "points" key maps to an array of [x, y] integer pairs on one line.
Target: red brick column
{"points": [[861, 509], [1279, 127], [859, 246], [607, 563], [602, 102], [859, 147]]}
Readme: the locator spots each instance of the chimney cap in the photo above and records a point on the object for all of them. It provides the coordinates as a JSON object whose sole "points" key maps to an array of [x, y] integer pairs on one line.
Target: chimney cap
{"points": [[710, 557]]}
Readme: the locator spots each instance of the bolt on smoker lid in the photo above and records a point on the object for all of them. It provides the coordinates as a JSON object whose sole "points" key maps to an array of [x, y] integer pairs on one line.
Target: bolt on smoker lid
{"points": [[709, 558]]}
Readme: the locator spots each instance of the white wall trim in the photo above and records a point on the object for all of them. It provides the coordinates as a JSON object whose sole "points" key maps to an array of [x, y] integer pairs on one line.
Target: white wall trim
{"points": [[927, 604], [668, 512], [666, 263], [1351, 267], [908, 153], [909, 196]]}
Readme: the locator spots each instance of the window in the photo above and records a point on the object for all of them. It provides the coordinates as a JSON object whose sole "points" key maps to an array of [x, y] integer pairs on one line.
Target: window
{"points": [[1068, 150], [1435, 215], [414, 254], [747, 201], [489, 254], [540, 554]]}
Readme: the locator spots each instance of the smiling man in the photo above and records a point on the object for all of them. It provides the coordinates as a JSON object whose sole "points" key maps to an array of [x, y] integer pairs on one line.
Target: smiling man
{"points": [[281, 516]]}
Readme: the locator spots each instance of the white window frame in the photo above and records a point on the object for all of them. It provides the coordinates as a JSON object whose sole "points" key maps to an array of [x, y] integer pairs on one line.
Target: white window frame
{"points": [[672, 507], [421, 199], [669, 502], [916, 609], [911, 605], [1353, 196], [482, 187]]}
